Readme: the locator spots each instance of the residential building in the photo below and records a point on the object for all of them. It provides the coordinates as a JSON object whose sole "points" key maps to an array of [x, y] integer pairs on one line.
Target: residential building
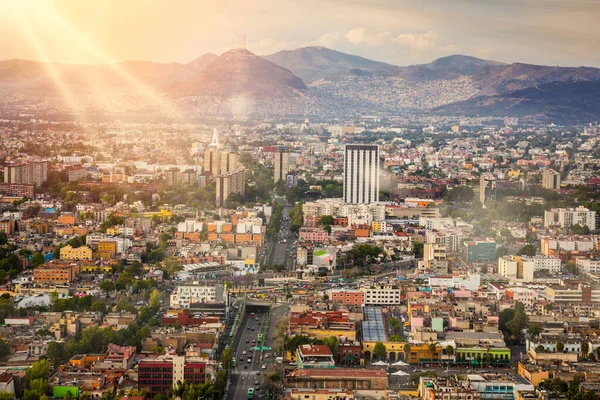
{"points": [[528, 267], [281, 163], [588, 266], [565, 217], [56, 272], [17, 189], [317, 235], [435, 258], [507, 267], [550, 179], [7, 226], [75, 172], [162, 374], [233, 182], [361, 173], [314, 356], [348, 297], [382, 295], [184, 295], [76, 253], [571, 243], [31, 173]]}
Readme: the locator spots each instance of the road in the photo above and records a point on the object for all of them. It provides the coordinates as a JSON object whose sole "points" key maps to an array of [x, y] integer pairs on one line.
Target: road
{"points": [[282, 252], [244, 378]]}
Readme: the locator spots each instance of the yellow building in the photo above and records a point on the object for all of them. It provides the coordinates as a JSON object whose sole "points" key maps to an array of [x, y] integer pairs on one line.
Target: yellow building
{"points": [[396, 351], [514, 173], [78, 253], [113, 231], [107, 249]]}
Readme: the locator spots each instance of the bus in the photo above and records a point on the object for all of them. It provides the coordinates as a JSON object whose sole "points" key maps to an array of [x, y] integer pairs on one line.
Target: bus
{"points": [[250, 393]]}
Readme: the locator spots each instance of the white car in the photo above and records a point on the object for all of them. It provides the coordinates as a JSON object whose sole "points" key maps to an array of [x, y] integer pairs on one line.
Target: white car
{"points": [[244, 352], [264, 366]]}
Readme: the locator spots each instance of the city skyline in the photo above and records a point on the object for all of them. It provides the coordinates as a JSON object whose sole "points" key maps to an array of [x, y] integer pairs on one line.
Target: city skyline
{"points": [[401, 33]]}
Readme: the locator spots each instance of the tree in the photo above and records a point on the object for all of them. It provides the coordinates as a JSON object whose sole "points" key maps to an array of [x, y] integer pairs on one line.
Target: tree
{"points": [[107, 286], [417, 249], [432, 348], [534, 330], [226, 359], [527, 250], [379, 350], [39, 370], [585, 349], [326, 220], [518, 321], [154, 300], [449, 350], [68, 396], [560, 347], [334, 343], [548, 307], [505, 316], [37, 259], [3, 238], [7, 396], [571, 267]]}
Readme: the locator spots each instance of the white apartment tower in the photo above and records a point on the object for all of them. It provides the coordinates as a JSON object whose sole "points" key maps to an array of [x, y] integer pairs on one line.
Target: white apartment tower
{"points": [[361, 173]]}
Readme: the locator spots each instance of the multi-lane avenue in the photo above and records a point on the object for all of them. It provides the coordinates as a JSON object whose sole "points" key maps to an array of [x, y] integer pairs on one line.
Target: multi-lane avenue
{"points": [[247, 374]]}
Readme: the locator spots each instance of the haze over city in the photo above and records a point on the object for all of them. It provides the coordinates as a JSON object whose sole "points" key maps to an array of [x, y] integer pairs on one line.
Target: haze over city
{"points": [[285, 200]]}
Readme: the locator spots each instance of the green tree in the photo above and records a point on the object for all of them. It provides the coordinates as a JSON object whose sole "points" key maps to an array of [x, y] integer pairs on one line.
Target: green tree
{"points": [[417, 249], [527, 250], [504, 318], [379, 350], [154, 299], [3, 238], [333, 343], [7, 396], [37, 259], [107, 286], [326, 220], [449, 350], [560, 347], [534, 330], [39, 370], [432, 348], [585, 349], [226, 359], [519, 320]]}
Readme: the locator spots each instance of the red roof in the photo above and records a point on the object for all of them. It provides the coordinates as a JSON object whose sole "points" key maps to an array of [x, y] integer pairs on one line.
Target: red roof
{"points": [[314, 350], [339, 372]]}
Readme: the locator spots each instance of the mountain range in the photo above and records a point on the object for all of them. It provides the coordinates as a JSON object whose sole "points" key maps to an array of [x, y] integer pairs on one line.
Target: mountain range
{"points": [[320, 81]]}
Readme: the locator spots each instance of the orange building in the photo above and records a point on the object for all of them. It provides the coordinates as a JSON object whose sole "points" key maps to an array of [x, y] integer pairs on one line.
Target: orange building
{"points": [[66, 219], [8, 226], [228, 238], [243, 238], [107, 249], [348, 297], [56, 272], [193, 237]]}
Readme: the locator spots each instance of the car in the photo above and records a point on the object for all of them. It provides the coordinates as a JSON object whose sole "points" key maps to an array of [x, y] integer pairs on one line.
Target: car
{"points": [[257, 372], [241, 358], [247, 341], [264, 366], [266, 355], [244, 352], [249, 361], [245, 367], [252, 329]]}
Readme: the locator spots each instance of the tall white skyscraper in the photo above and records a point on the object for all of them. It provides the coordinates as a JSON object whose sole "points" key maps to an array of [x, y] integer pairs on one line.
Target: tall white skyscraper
{"points": [[361, 173]]}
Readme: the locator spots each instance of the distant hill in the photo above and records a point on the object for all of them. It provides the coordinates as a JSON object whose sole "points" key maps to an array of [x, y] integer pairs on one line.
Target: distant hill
{"points": [[460, 64], [202, 62], [240, 73], [558, 102], [33, 75], [314, 63]]}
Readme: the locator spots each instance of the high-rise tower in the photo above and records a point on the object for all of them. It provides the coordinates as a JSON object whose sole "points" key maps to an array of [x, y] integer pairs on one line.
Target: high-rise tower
{"points": [[361, 173]]}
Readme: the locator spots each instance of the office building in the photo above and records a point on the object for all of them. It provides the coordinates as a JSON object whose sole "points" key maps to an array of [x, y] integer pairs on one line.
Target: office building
{"points": [[361, 173], [230, 183], [480, 251], [487, 187], [185, 295], [550, 179], [565, 217], [281, 163], [435, 258]]}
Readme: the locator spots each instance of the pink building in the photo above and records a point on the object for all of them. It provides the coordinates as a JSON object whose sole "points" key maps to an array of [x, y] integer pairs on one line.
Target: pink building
{"points": [[316, 235]]}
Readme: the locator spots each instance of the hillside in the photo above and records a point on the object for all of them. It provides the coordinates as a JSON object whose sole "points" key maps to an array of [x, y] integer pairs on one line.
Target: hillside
{"points": [[240, 73], [557, 102], [314, 63]]}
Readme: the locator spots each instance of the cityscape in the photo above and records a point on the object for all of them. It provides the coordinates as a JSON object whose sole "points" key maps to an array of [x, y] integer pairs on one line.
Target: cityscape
{"points": [[397, 214]]}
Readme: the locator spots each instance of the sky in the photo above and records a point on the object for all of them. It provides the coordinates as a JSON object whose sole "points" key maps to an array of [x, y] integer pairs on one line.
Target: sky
{"points": [[401, 32]]}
